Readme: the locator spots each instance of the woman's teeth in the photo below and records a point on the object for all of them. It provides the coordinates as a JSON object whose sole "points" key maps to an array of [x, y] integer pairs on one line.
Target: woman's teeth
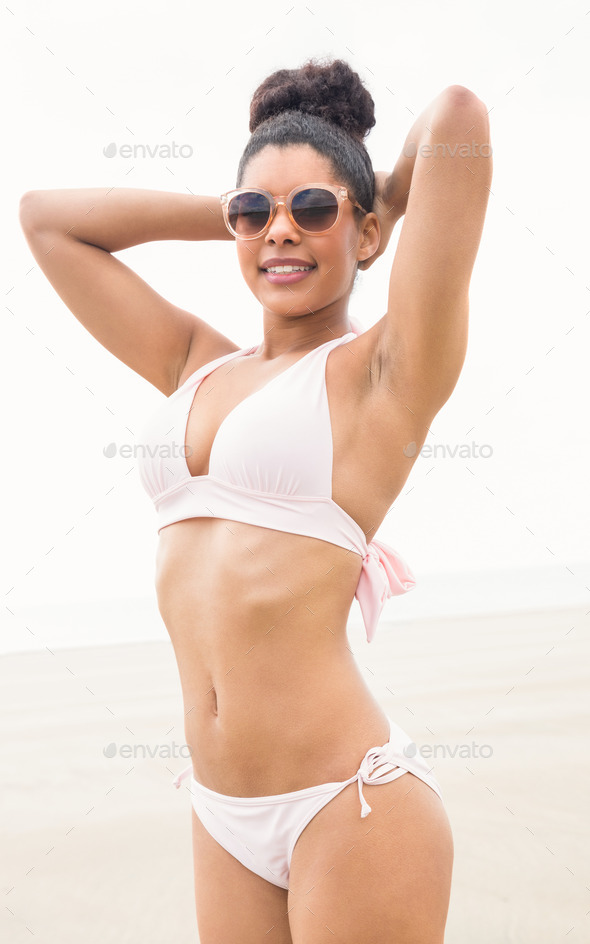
{"points": [[279, 269]]}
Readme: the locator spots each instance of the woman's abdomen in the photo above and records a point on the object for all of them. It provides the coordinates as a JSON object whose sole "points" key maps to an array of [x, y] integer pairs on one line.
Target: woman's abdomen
{"points": [[272, 693]]}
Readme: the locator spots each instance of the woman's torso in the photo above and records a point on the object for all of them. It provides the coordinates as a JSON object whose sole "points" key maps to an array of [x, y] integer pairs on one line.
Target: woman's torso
{"points": [[273, 698]]}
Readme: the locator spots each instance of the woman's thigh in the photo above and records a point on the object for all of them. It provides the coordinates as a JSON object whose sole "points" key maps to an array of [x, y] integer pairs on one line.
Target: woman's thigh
{"points": [[386, 877], [234, 904]]}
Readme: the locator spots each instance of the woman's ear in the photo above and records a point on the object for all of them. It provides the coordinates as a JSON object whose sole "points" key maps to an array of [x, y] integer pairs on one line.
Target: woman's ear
{"points": [[370, 238]]}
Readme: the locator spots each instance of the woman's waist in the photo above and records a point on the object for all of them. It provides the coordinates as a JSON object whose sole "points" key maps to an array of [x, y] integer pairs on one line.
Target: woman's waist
{"points": [[233, 647], [264, 668], [272, 745]]}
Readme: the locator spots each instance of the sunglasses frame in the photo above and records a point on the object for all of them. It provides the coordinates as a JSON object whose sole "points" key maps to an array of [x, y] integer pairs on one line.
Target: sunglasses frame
{"points": [[341, 194]]}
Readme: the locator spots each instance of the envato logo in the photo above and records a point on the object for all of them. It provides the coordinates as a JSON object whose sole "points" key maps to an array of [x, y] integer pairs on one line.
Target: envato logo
{"points": [[165, 151], [165, 751], [126, 451], [428, 751], [471, 450], [474, 149]]}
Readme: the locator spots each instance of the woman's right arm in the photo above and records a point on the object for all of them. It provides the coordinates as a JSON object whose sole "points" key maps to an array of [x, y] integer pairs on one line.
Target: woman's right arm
{"points": [[72, 234]]}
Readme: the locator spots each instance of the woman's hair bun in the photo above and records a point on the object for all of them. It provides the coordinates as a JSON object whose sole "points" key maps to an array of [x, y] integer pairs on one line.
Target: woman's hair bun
{"points": [[332, 91]]}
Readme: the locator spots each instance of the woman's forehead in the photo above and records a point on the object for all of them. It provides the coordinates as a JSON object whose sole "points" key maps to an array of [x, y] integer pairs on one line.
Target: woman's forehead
{"points": [[279, 170]]}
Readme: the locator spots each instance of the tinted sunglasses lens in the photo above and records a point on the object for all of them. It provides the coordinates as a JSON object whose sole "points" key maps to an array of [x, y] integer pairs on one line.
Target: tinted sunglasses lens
{"points": [[314, 209], [248, 213]]}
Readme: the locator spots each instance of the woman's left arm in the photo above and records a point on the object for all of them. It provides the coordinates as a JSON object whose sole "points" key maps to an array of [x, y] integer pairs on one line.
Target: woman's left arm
{"points": [[441, 182]]}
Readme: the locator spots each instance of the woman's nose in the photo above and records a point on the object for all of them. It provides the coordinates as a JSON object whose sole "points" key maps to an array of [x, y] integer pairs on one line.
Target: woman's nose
{"points": [[282, 227]]}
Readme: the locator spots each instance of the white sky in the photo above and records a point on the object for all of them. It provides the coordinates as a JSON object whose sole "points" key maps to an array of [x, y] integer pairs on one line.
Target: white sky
{"points": [[78, 77]]}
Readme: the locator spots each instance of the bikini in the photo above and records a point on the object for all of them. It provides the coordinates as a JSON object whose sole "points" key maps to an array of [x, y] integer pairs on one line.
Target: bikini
{"points": [[271, 465]]}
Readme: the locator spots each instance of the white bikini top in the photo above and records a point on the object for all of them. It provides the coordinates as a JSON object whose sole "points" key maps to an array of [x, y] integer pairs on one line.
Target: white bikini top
{"points": [[270, 465]]}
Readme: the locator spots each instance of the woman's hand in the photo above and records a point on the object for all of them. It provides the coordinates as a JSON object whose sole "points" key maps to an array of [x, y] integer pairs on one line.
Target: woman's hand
{"points": [[388, 207]]}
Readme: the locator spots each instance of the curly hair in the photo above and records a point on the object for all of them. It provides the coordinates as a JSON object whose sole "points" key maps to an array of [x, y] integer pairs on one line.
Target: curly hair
{"points": [[323, 105]]}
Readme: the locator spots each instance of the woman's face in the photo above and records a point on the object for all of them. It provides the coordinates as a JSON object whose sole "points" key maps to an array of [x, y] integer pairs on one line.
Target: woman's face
{"points": [[333, 255]]}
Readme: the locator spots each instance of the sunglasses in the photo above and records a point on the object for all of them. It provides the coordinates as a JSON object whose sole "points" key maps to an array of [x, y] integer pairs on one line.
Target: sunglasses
{"points": [[312, 208]]}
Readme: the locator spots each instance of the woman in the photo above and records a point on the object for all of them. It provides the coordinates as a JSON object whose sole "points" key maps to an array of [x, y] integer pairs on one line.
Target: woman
{"points": [[271, 468]]}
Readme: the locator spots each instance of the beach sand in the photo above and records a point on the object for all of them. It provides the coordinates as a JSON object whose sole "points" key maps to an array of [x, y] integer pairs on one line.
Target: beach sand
{"points": [[97, 848]]}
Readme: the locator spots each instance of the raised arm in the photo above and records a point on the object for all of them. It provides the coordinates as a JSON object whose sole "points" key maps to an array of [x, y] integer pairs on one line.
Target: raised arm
{"points": [[441, 182], [72, 234]]}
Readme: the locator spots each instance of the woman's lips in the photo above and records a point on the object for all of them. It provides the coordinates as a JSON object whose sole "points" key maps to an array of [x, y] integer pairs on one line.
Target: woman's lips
{"points": [[286, 277]]}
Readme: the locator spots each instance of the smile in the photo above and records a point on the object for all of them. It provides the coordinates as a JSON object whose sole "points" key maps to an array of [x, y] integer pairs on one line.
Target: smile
{"points": [[286, 274]]}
